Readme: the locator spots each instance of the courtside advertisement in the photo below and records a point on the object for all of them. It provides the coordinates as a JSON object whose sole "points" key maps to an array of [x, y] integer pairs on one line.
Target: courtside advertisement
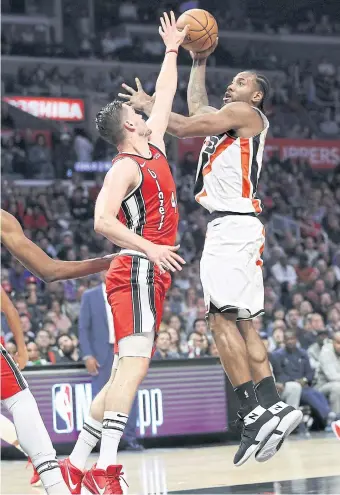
{"points": [[67, 109], [173, 400]]}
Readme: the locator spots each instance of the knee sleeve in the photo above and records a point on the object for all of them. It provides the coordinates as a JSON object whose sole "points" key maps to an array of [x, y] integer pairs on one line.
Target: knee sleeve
{"points": [[138, 345]]}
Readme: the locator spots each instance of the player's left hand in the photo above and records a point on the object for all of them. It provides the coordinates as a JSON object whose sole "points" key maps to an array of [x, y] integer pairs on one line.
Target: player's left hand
{"points": [[171, 36]]}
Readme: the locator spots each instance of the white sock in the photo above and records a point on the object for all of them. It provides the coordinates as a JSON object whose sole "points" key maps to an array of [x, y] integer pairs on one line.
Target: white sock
{"points": [[113, 429], [34, 439], [87, 440]]}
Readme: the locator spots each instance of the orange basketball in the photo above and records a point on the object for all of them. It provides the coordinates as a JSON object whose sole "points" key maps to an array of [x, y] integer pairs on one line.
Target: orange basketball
{"points": [[202, 32]]}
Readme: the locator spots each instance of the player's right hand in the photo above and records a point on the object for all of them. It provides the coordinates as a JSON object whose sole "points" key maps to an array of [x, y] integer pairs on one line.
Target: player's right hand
{"points": [[206, 53], [137, 99], [165, 257], [92, 365], [21, 358]]}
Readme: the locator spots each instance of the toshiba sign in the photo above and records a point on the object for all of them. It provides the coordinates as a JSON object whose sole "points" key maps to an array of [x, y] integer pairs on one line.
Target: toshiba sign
{"points": [[69, 109]]}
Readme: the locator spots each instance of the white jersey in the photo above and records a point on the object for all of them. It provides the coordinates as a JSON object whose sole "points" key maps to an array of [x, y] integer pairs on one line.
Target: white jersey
{"points": [[228, 172]]}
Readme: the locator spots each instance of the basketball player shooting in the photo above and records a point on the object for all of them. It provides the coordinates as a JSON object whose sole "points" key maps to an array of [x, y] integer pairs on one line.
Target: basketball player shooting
{"points": [[140, 190], [226, 183]]}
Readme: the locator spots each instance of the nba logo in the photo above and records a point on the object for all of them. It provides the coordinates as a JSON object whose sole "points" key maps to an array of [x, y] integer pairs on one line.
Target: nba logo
{"points": [[62, 404]]}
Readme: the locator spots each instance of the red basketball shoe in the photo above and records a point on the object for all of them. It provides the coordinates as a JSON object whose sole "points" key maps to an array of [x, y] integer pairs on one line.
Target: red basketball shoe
{"points": [[104, 482], [35, 480], [72, 476], [336, 428]]}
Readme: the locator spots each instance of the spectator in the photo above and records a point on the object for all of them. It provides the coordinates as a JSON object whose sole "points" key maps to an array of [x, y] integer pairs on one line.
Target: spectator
{"points": [[46, 351], [163, 344], [304, 271], [176, 323], [314, 350], [175, 340], [80, 207], [39, 156], [276, 341], [200, 326], [34, 358], [70, 354], [291, 364], [62, 321], [26, 328], [328, 381], [293, 320], [83, 146], [284, 273], [197, 345]]}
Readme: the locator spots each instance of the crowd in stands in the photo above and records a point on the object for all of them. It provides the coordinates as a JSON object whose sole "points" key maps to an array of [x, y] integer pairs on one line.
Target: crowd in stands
{"points": [[312, 83]]}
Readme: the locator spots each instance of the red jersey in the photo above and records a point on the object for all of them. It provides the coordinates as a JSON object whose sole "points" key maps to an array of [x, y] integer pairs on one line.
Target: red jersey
{"points": [[150, 210]]}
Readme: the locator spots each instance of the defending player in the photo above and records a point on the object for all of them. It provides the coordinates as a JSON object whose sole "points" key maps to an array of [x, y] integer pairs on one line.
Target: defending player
{"points": [[226, 183], [140, 189]]}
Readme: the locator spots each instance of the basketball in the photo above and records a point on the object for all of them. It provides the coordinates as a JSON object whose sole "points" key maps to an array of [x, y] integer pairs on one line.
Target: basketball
{"points": [[203, 30]]}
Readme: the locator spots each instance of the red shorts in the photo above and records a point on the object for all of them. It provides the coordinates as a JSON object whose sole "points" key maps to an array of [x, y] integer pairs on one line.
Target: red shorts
{"points": [[136, 291], [11, 378]]}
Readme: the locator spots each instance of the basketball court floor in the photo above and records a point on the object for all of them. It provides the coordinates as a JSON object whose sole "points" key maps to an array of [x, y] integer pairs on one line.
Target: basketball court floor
{"points": [[302, 466]]}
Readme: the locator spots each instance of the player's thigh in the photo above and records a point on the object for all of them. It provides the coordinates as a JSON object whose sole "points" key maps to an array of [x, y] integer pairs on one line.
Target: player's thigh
{"points": [[11, 378], [230, 263], [137, 297]]}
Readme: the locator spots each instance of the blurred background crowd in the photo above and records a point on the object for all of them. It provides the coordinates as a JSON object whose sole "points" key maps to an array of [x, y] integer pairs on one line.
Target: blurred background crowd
{"points": [[85, 51]]}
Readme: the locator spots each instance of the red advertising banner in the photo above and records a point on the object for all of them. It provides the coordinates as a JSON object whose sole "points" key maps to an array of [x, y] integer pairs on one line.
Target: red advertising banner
{"points": [[68, 109], [319, 154]]}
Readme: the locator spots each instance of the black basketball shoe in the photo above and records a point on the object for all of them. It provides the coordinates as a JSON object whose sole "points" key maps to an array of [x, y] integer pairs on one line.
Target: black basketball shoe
{"points": [[290, 418], [258, 424]]}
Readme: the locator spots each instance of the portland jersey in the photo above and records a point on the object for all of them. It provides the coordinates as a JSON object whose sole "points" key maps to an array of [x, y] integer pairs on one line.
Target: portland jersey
{"points": [[150, 210], [228, 172]]}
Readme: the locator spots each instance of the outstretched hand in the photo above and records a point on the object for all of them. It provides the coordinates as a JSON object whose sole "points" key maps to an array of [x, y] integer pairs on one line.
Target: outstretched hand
{"points": [[171, 36], [137, 99]]}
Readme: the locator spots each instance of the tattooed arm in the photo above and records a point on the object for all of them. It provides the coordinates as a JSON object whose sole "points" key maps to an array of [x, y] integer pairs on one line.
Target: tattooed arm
{"points": [[197, 97]]}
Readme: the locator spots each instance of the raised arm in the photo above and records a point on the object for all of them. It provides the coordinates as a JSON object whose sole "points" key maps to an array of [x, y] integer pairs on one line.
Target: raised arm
{"points": [[123, 177], [13, 320], [166, 84], [198, 102], [37, 261]]}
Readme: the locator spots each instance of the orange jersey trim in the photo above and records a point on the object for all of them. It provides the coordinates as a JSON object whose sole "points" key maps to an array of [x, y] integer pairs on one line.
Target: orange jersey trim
{"points": [[245, 155]]}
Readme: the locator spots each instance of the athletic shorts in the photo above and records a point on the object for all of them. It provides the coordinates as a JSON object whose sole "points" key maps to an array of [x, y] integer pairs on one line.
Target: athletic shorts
{"points": [[231, 266], [11, 378], [136, 292]]}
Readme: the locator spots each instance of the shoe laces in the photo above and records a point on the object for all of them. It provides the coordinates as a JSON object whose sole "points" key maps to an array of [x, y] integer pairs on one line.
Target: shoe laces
{"points": [[112, 481]]}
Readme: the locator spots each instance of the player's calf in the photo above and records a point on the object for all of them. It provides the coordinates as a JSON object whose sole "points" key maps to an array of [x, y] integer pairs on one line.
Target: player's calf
{"points": [[34, 439]]}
